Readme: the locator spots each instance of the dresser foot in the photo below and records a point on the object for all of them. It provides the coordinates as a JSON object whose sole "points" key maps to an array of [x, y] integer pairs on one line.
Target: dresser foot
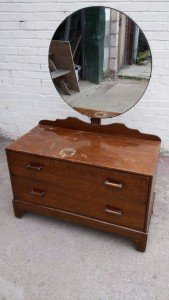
{"points": [[17, 211], [141, 244]]}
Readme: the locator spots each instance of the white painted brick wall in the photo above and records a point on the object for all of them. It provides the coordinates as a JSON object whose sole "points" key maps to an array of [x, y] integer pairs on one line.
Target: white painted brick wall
{"points": [[27, 94]]}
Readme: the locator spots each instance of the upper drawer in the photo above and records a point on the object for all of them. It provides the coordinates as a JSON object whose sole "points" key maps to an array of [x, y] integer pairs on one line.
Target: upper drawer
{"points": [[108, 183]]}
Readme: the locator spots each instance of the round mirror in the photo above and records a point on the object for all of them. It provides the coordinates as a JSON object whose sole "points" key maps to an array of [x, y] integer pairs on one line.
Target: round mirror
{"points": [[100, 62]]}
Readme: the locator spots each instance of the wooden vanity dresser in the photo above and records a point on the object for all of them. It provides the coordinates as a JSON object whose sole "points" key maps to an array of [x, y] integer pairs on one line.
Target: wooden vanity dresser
{"points": [[99, 176]]}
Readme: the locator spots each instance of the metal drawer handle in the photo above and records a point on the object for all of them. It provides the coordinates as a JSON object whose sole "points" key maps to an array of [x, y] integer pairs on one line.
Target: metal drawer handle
{"points": [[113, 184], [113, 212], [37, 193], [33, 167]]}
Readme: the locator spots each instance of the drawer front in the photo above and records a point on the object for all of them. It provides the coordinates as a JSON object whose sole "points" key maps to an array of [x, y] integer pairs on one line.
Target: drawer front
{"points": [[114, 211], [107, 183]]}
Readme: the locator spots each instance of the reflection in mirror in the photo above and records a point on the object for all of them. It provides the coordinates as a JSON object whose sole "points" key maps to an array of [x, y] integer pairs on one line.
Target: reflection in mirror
{"points": [[100, 62]]}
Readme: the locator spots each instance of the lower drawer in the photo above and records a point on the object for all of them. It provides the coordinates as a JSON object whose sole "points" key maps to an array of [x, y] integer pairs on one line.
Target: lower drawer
{"points": [[124, 213]]}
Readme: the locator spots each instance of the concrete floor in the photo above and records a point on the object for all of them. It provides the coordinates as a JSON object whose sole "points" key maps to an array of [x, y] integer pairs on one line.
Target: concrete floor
{"points": [[143, 70], [45, 259], [115, 96]]}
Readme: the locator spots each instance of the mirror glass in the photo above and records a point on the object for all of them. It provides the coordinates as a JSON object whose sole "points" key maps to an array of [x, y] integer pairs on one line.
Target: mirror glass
{"points": [[100, 62]]}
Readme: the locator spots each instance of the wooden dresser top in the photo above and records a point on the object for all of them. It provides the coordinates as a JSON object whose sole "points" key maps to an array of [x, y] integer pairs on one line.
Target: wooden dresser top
{"points": [[121, 153]]}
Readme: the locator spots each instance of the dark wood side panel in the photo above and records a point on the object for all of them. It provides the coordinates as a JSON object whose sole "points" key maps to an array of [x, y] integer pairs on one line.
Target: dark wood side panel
{"points": [[150, 203]]}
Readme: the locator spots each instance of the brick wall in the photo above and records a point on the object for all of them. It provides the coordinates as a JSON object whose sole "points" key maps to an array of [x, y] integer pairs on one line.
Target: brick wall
{"points": [[27, 94]]}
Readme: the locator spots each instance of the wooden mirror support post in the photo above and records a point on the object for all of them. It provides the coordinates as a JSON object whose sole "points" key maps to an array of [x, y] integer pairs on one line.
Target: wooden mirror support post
{"points": [[98, 176], [96, 121]]}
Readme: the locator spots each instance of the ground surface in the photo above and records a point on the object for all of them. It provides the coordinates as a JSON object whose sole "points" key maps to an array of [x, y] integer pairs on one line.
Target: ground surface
{"points": [[143, 70], [115, 96], [42, 258]]}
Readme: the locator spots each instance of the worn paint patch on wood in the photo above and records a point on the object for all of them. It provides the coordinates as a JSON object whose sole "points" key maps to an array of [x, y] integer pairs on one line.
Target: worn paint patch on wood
{"points": [[67, 152]]}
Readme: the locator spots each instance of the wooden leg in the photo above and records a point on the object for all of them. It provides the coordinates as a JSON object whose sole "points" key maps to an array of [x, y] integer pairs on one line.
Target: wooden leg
{"points": [[140, 244], [17, 211]]}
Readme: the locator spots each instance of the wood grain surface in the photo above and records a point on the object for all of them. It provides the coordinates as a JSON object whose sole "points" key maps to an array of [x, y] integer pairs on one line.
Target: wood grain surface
{"points": [[127, 154]]}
